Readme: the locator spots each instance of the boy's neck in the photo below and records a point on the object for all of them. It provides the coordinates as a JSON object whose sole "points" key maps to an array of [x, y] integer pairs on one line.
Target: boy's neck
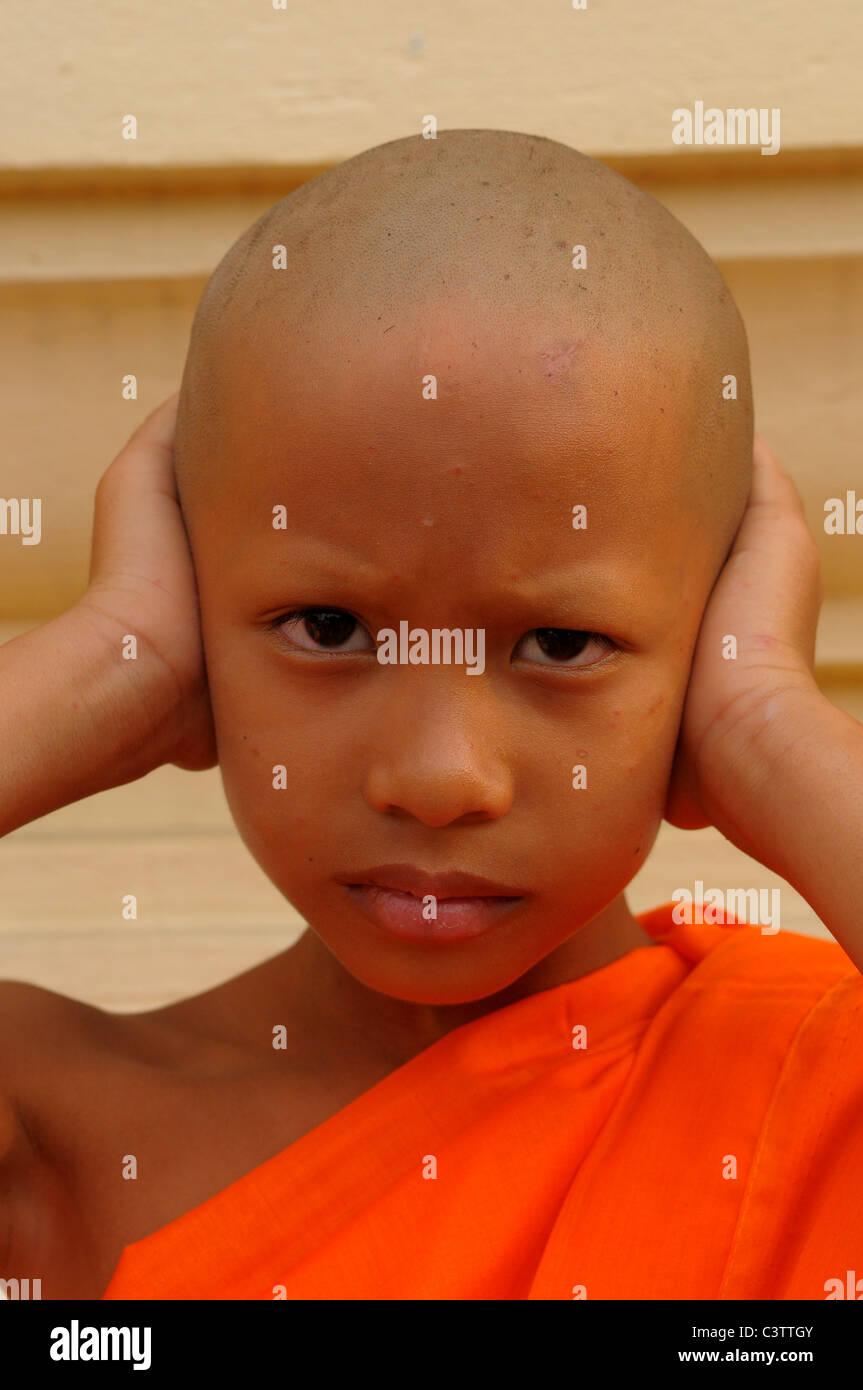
{"points": [[330, 1004]]}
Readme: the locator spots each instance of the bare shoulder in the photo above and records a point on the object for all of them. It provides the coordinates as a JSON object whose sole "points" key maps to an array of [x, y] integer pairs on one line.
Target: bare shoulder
{"points": [[47, 1042], [38, 1027], [18, 1000], [35, 1021], [38, 1030], [68, 1070], [9, 1119]]}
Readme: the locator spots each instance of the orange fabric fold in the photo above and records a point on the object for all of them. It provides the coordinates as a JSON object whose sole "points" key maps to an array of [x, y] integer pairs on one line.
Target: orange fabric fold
{"points": [[706, 1143]]}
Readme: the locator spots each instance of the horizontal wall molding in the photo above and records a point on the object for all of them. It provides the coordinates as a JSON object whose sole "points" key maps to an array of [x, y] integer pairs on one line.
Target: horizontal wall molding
{"points": [[704, 165], [121, 223]]}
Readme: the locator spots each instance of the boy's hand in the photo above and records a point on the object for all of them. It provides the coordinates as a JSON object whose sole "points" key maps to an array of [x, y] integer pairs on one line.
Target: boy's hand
{"points": [[767, 596], [142, 581]]}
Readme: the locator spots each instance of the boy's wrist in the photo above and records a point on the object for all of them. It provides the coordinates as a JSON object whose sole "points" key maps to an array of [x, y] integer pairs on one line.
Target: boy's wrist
{"points": [[75, 717], [781, 759], [133, 699], [812, 812]]}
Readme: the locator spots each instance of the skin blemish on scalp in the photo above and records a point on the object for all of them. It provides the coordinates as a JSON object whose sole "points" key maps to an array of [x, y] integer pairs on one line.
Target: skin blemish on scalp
{"points": [[557, 359]]}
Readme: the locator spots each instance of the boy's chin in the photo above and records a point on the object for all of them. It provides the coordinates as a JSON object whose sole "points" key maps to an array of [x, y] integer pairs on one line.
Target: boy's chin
{"points": [[435, 983]]}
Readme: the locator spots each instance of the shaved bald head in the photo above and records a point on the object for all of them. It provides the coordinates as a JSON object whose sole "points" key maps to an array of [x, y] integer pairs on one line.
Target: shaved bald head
{"points": [[488, 219]]}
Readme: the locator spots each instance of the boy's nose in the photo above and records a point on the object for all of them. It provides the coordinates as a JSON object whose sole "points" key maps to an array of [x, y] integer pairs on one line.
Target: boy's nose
{"points": [[441, 758]]}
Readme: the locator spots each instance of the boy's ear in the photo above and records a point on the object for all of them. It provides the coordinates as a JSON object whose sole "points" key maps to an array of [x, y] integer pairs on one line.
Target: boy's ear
{"points": [[682, 807]]}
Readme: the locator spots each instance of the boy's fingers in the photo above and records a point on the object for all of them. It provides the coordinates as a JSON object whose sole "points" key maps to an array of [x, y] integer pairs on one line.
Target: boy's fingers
{"points": [[775, 519], [146, 461], [772, 484], [780, 558], [156, 432], [136, 497]]}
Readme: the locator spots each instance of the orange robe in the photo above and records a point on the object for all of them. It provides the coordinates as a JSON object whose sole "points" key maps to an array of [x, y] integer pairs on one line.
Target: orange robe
{"points": [[706, 1143]]}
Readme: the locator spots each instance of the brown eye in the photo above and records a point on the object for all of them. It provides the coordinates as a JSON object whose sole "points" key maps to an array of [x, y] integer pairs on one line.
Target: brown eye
{"points": [[325, 629], [560, 645]]}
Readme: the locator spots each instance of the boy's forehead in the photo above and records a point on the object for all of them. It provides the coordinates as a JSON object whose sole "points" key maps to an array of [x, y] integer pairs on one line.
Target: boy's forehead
{"points": [[457, 389], [431, 326], [452, 434]]}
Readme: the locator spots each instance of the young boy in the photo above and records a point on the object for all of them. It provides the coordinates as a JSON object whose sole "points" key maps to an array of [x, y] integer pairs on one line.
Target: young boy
{"points": [[487, 585]]}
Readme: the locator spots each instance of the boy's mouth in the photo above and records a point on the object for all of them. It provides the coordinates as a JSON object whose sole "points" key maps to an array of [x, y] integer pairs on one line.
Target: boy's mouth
{"points": [[434, 908]]}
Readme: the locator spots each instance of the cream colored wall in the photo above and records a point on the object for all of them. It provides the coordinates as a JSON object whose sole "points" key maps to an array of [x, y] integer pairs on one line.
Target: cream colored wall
{"points": [[106, 247], [219, 82]]}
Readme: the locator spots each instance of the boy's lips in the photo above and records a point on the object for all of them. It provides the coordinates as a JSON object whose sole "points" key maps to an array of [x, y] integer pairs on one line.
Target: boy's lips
{"points": [[405, 878], [394, 897]]}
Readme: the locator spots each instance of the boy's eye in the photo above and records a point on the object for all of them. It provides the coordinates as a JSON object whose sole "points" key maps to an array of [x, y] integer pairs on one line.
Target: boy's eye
{"points": [[325, 629], [335, 630], [559, 646]]}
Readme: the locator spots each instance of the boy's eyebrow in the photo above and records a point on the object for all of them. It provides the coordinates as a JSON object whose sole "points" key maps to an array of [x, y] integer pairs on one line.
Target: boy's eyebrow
{"points": [[621, 583], [334, 563], [611, 593], [577, 577]]}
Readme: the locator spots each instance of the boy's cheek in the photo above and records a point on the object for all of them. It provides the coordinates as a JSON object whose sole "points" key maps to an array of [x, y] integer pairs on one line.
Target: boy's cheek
{"points": [[598, 766], [281, 821]]}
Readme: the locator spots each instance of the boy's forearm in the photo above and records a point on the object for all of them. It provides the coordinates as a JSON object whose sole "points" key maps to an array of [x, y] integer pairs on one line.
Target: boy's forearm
{"points": [[804, 808], [75, 717]]}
